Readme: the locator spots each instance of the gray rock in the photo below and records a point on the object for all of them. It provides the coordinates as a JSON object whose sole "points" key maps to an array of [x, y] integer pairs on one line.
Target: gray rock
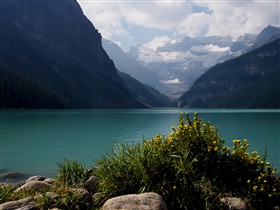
{"points": [[91, 183], [22, 204], [35, 178], [83, 193], [235, 203], [13, 186], [29, 207], [50, 180], [51, 195], [34, 186], [144, 201]]}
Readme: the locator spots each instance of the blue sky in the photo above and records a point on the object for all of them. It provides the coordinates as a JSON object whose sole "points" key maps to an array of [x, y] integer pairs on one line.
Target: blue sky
{"points": [[135, 22]]}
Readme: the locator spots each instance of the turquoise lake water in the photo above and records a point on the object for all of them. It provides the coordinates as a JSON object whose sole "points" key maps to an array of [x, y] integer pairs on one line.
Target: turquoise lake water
{"points": [[33, 141]]}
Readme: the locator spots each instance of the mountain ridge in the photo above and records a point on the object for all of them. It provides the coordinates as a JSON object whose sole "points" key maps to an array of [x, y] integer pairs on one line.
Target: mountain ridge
{"points": [[248, 81], [185, 60], [55, 46]]}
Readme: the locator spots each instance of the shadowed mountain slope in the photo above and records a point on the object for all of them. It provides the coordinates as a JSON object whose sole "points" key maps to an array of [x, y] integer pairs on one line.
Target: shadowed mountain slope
{"points": [[55, 46], [249, 81]]}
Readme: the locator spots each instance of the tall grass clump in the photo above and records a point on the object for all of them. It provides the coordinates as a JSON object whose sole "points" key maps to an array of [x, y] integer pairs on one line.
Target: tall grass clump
{"points": [[71, 177], [191, 168], [71, 173]]}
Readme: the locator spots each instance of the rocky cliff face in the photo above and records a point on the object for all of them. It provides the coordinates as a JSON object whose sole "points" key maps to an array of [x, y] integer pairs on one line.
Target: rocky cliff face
{"points": [[54, 44]]}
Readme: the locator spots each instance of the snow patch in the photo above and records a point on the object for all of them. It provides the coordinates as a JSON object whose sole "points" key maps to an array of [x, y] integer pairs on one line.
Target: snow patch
{"points": [[172, 81], [216, 48]]}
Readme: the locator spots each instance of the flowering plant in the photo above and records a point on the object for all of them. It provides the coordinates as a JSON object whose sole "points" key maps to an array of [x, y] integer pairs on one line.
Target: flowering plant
{"points": [[191, 168]]}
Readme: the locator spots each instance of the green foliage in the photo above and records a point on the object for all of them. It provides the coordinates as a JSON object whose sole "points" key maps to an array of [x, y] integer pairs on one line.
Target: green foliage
{"points": [[248, 81], [64, 199], [71, 173], [7, 193], [190, 168]]}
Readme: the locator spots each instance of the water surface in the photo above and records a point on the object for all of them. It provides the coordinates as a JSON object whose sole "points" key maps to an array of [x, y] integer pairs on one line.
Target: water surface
{"points": [[33, 141]]}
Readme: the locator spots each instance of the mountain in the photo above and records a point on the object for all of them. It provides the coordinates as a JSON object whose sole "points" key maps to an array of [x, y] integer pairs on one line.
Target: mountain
{"points": [[19, 91], [248, 81], [243, 43], [137, 79], [145, 94], [178, 63], [129, 65], [268, 34], [52, 47]]}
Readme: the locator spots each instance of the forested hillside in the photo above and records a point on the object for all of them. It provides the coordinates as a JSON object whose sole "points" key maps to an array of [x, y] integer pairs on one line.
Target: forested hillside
{"points": [[249, 81], [17, 91]]}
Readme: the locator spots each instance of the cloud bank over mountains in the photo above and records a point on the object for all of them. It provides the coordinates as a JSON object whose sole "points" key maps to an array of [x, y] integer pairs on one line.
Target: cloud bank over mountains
{"points": [[136, 22]]}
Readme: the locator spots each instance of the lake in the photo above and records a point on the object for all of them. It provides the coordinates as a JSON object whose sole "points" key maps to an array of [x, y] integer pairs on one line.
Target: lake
{"points": [[33, 141]]}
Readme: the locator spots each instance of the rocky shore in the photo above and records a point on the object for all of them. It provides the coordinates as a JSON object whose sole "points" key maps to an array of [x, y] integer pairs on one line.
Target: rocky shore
{"points": [[39, 185]]}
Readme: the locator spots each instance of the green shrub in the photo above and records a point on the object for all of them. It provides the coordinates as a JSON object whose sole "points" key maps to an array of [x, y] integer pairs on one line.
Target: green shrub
{"points": [[65, 199], [71, 173], [191, 168], [5, 193]]}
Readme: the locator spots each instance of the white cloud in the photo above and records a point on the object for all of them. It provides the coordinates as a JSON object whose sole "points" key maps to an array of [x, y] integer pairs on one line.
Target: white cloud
{"points": [[193, 18], [107, 16], [237, 17], [157, 42], [196, 24]]}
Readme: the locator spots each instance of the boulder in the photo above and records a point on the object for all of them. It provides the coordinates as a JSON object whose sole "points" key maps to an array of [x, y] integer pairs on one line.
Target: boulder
{"points": [[34, 186], [83, 193], [144, 201], [235, 203], [35, 178], [50, 180], [91, 183], [29, 207], [22, 204], [52, 195]]}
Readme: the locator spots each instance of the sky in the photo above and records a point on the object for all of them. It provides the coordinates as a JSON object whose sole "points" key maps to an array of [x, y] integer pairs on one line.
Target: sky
{"points": [[133, 22]]}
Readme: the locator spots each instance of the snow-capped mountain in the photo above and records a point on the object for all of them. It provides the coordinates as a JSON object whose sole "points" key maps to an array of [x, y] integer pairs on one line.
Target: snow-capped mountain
{"points": [[243, 42], [128, 65], [178, 63]]}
